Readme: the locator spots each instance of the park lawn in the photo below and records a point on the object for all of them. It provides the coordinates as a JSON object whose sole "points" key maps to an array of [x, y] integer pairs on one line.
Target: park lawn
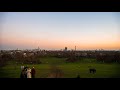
{"points": [[103, 70], [70, 70]]}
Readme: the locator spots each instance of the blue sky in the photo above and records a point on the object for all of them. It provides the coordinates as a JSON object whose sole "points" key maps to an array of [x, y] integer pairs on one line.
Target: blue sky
{"points": [[55, 30]]}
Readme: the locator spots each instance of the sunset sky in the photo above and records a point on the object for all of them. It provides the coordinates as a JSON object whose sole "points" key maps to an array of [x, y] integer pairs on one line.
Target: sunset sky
{"points": [[57, 30]]}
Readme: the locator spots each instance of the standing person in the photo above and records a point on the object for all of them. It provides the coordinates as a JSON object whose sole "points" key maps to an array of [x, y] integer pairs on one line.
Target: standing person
{"points": [[33, 72], [26, 67], [28, 73], [22, 67], [22, 75]]}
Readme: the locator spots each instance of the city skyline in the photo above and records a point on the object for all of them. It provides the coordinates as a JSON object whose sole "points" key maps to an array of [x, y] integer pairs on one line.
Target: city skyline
{"points": [[56, 30]]}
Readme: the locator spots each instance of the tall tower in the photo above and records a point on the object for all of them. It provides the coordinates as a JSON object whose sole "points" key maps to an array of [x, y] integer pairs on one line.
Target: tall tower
{"points": [[75, 48]]}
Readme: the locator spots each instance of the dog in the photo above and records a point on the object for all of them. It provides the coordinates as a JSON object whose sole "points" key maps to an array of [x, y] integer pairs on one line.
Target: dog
{"points": [[92, 70]]}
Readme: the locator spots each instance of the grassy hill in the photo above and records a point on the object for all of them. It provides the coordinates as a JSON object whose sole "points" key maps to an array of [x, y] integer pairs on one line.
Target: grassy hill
{"points": [[70, 70]]}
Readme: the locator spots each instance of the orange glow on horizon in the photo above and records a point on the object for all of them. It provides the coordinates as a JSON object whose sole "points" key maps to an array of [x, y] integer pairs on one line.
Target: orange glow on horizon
{"points": [[55, 44]]}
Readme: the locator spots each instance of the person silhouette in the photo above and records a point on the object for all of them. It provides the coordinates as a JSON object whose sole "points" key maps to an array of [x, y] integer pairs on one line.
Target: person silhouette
{"points": [[78, 76], [33, 72]]}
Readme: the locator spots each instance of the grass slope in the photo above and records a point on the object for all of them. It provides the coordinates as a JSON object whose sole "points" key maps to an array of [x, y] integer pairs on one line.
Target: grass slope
{"points": [[70, 70]]}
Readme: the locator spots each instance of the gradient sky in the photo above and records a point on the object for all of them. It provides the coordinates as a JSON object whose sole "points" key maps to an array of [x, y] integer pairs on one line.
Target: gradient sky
{"points": [[56, 30]]}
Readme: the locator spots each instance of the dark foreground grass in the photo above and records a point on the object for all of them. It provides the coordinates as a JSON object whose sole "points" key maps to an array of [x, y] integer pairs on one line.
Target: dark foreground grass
{"points": [[70, 70]]}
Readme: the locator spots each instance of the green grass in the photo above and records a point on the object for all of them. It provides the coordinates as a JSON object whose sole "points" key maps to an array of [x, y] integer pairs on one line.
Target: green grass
{"points": [[70, 70], [52, 60]]}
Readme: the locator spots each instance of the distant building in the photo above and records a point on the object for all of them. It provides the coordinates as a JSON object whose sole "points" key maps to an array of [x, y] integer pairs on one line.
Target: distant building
{"points": [[75, 48], [65, 48], [38, 48]]}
